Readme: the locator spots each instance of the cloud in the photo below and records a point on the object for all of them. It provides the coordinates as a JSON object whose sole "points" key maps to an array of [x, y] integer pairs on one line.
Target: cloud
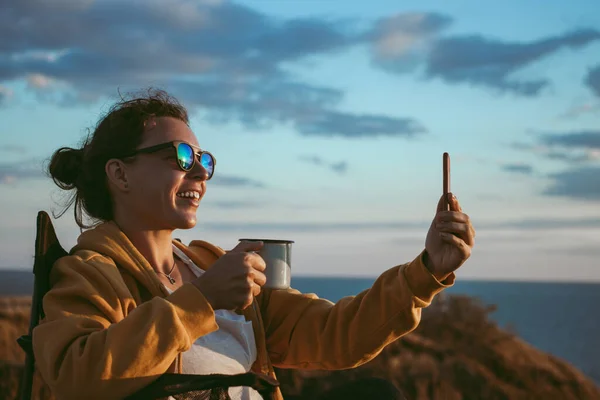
{"points": [[487, 62], [224, 59], [579, 184], [592, 80], [18, 171], [39, 81], [5, 94], [574, 140], [571, 158], [581, 150], [252, 204], [333, 123], [408, 41], [235, 181], [522, 224], [572, 147], [582, 250], [309, 226], [230, 62], [518, 168], [234, 204], [400, 42], [13, 148], [579, 110], [547, 223], [490, 197], [339, 167], [260, 104]]}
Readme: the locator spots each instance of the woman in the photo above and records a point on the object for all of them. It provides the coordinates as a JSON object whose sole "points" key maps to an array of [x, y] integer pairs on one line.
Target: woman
{"points": [[129, 303]]}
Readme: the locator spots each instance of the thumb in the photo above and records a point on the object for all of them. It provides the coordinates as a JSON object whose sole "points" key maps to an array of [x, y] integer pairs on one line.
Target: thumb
{"points": [[247, 245], [445, 203]]}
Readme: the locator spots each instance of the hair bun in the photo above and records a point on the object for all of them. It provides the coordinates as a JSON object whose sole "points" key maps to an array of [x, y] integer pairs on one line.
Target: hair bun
{"points": [[65, 166]]}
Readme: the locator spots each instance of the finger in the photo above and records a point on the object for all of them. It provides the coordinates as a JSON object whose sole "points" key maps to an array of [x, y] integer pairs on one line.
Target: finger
{"points": [[449, 201], [452, 216], [461, 230], [255, 290], [255, 261], [248, 245], [454, 205], [457, 242], [246, 294], [259, 278], [247, 301]]}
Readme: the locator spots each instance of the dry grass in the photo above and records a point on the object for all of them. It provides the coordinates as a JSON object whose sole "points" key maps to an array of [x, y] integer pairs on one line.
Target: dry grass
{"points": [[14, 322], [457, 353]]}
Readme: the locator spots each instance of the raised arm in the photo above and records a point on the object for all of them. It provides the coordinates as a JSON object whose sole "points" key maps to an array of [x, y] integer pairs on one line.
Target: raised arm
{"points": [[304, 331]]}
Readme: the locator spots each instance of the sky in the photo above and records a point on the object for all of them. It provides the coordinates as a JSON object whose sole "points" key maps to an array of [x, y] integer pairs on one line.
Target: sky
{"points": [[328, 120]]}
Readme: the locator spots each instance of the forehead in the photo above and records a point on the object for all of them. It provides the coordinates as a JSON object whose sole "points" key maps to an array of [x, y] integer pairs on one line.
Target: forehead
{"points": [[166, 129]]}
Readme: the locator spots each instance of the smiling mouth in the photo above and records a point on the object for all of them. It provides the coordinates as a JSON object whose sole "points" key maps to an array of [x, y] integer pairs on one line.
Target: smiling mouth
{"points": [[192, 196]]}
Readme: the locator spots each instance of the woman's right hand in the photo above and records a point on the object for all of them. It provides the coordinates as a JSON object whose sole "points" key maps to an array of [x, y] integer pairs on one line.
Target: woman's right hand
{"points": [[235, 278]]}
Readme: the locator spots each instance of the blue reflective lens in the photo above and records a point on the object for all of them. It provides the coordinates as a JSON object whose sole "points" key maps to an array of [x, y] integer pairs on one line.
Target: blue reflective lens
{"points": [[185, 156], [208, 163]]}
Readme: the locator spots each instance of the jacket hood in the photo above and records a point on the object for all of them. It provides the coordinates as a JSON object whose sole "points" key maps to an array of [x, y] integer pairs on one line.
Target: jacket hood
{"points": [[108, 240]]}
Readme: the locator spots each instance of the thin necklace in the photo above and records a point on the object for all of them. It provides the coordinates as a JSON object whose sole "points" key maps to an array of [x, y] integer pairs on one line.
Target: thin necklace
{"points": [[171, 279]]}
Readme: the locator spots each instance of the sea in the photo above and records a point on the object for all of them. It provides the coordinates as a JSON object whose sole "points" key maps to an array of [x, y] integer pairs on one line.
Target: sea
{"points": [[562, 319]]}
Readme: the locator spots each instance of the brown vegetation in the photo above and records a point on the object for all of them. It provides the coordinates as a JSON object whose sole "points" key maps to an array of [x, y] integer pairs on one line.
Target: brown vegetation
{"points": [[456, 353]]}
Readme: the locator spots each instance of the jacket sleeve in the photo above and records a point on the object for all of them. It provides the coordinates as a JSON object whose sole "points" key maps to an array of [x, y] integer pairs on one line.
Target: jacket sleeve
{"points": [[306, 332], [97, 343]]}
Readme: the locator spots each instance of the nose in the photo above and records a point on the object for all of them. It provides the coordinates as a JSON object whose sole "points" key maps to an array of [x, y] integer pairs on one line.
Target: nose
{"points": [[198, 172]]}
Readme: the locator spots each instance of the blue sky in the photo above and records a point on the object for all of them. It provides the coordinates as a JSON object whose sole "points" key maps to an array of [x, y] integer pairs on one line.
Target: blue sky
{"points": [[329, 119]]}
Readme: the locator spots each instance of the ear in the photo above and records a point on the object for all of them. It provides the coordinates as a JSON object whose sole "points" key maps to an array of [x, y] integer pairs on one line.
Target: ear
{"points": [[116, 172]]}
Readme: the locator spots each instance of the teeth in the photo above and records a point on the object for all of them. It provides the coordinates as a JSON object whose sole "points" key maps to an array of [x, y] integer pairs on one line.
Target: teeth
{"points": [[190, 194]]}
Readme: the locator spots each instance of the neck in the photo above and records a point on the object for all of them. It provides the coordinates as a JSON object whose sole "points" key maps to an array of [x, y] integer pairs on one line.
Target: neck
{"points": [[155, 245]]}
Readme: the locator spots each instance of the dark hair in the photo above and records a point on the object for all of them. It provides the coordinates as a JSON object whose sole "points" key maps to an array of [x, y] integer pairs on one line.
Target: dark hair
{"points": [[118, 132]]}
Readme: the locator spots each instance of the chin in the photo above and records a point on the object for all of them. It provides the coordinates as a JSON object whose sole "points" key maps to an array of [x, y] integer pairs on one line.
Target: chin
{"points": [[188, 225], [187, 221]]}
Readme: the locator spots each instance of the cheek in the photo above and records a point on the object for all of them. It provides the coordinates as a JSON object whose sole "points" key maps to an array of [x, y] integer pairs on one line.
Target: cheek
{"points": [[172, 183], [158, 188]]}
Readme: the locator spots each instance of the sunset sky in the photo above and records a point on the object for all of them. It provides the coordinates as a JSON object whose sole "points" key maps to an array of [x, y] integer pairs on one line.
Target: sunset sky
{"points": [[328, 120]]}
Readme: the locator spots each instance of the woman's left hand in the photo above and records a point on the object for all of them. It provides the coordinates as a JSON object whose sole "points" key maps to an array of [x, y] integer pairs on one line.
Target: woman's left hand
{"points": [[449, 240]]}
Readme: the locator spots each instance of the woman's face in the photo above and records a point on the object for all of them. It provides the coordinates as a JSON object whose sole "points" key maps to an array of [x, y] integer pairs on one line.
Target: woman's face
{"points": [[157, 187]]}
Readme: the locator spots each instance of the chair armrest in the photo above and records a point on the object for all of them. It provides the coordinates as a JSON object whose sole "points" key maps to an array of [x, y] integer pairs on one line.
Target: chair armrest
{"points": [[175, 384]]}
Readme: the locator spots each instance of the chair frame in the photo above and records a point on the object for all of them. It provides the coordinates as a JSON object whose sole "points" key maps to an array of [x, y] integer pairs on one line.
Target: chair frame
{"points": [[47, 251]]}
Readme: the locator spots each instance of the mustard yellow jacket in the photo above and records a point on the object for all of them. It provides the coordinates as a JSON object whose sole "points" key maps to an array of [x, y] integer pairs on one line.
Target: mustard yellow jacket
{"points": [[111, 327]]}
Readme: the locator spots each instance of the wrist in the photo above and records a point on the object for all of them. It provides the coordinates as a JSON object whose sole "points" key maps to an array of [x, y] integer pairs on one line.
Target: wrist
{"points": [[199, 284], [431, 268]]}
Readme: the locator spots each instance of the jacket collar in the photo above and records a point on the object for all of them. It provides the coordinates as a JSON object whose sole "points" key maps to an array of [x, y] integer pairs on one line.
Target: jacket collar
{"points": [[108, 239]]}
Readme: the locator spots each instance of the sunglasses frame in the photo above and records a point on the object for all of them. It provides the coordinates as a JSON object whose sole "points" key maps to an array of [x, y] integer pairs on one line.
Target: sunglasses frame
{"points": [[198, 152]]}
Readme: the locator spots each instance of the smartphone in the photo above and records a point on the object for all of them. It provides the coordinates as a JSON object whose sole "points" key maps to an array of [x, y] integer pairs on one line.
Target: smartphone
{"points": [[446, 180]]}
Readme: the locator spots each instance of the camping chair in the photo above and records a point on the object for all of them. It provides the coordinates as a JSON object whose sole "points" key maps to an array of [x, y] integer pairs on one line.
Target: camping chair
{"points": [[182, 386]]}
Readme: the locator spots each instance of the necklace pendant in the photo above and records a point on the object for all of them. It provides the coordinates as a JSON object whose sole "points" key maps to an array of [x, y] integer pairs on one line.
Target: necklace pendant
{"points": [[172, 280]]}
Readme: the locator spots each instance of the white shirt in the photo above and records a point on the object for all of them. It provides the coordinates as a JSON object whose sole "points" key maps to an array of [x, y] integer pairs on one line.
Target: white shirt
{"points": [[229, 350]]}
